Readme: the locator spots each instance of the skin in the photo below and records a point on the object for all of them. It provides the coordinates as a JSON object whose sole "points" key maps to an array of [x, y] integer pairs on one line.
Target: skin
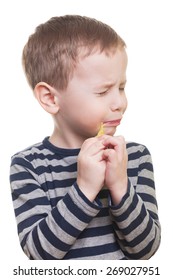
{"points": [[94, 95]]}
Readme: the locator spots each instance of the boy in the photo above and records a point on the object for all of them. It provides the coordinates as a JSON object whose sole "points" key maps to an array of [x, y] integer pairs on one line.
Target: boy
{"points": [[77, 195]]}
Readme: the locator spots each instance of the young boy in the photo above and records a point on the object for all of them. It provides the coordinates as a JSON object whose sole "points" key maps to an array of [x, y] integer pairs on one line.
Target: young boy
{"points": [[77, 195]]}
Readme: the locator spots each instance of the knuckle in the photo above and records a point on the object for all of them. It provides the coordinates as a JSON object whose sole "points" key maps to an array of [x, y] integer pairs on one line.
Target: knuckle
{"points": [[121, 138], [111, 152]]}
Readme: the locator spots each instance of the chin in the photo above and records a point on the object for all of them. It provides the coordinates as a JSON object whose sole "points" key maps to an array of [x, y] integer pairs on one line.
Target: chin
{"points": [[110, 131]]}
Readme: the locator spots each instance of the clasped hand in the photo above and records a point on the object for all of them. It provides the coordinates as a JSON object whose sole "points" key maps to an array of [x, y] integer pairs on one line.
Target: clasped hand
{"points": [[102, 161]]}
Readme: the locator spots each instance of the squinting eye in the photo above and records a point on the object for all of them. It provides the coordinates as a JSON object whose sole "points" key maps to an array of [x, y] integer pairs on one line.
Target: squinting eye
{"points": [[103, 92], [122, 89]]}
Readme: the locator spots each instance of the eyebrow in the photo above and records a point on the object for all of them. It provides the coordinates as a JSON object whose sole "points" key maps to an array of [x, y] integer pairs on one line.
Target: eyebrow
{"points": [[106, 85], [111, 84]]}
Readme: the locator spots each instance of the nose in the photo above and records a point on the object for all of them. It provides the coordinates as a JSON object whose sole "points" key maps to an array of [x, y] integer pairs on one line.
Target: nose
{"points": [[118, 101]]}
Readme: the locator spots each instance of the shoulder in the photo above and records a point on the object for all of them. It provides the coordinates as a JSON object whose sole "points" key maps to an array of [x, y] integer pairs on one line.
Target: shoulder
{"points": [[134, 148], [139, 157], [31, 153], [138, 153]]}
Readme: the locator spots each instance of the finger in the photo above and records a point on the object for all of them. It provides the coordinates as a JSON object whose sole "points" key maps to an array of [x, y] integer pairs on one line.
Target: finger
{"points": [[92, 146], [116, 142], [88, 142], [109, 155], [100, 156]]}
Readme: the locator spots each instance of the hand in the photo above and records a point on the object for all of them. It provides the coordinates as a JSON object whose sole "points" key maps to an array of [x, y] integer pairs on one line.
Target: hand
{"points": [[116, 166], [91, 167]]}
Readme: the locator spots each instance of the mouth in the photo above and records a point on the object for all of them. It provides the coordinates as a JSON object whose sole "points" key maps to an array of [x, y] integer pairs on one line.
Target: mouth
{"points": [[112, 123]]}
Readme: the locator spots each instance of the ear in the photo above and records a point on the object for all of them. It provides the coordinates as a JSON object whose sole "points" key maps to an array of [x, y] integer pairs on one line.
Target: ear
{"points": [[47, 97]]}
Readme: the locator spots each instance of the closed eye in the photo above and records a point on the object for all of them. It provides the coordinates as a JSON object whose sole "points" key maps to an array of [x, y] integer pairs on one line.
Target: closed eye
{"points": [[122, 88], [101, 93]]}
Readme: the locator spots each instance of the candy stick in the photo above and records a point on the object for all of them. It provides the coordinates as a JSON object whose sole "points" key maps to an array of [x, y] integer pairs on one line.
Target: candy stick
{"points": [[101, 131]]}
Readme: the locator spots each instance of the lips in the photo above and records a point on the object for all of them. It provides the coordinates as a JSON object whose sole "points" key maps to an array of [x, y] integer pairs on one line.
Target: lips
{"points": [[112, 122]]}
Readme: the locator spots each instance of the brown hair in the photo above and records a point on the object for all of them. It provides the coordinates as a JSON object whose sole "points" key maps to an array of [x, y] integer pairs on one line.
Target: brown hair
{"points": [[52, 52]]}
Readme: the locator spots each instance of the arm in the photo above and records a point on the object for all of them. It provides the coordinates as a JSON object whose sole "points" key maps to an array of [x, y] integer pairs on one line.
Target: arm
{"points": [[135, 218], [46, 232]]}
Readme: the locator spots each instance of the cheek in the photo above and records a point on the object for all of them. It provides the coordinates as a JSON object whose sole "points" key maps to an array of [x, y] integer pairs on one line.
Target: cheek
{"points": [[84, 109], [91, 114], [70, 104]]}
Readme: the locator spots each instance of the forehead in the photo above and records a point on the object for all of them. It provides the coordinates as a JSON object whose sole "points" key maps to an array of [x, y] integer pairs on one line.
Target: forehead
{"points": [[102, 65]]}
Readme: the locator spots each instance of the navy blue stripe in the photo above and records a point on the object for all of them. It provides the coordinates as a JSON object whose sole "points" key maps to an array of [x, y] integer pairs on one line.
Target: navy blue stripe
{"points": [[131, 144], [145, 181], [68, 228], [24, 175], [134, 155], [148, 198], [146, 166], [97, 207], [104, 212], [51, 185], [55, 200], [57, 169], [132, 172], [142, 253], [103, 194], [96, 231], [30, 221], [153, 215], [26, 189], [42, 156], [52, 238], [138, 239], [92, 251], [22, 162], [76, 211], [60, 151], [23, 241], [38, 147], [134, 224], [127, 212], [138, 154], [44, 255], [31, 203]]}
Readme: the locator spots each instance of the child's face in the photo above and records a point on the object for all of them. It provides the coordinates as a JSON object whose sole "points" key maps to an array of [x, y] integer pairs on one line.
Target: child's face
{"points": [[95, 94]]}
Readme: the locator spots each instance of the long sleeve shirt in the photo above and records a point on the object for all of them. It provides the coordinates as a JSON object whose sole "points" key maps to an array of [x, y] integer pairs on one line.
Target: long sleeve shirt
{"points": [[56, 221]]}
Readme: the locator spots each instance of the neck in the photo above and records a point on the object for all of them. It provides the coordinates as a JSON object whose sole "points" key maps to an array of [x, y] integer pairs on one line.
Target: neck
{"points": [[65, 140]]}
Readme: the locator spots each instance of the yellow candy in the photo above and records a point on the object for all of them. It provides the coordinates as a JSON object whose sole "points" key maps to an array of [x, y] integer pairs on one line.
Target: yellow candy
{"points": [[101, 131]]}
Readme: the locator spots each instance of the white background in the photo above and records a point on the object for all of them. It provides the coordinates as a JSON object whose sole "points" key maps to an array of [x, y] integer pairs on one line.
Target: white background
{"points": [[147, 28]]}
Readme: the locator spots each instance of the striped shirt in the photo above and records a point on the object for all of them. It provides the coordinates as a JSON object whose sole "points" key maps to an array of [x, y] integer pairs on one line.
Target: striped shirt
{"points": [[56, 221]]}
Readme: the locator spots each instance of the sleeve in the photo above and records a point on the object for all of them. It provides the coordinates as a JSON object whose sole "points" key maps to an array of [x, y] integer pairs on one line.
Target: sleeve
{"points": [[135, 219], [46, 232]]}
